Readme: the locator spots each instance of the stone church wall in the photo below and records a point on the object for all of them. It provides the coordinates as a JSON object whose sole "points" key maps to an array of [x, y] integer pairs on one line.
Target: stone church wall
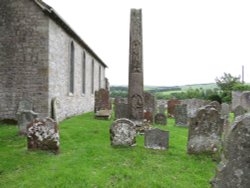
{"points": [[23, 56]]}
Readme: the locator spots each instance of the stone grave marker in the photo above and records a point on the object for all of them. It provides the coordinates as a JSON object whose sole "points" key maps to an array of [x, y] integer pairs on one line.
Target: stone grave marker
{"points": [[238, 111], [205, 131], [162, 109], [156, 139], [216, 105], [160, 119], [103, 114], [121, 108], [149, 107], [181, 116], [102, 101], [225, 110], [25, 115], [55, 107], [123, 133], [171, 106], [43, 134], [234, 169]]}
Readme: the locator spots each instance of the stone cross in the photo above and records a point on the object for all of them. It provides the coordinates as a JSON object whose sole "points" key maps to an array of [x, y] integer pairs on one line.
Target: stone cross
{"points": [[135, 90]]}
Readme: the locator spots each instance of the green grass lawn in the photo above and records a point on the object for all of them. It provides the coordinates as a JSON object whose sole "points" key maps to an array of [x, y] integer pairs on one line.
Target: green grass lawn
{"points": [[86, 159]]}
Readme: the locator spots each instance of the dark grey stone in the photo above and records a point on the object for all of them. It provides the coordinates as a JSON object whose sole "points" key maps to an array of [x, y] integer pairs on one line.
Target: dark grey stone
{"points": [[238, 111], [234, 169], [181, 116], [135, 90], [160, 119], [43, 134], [225, 110], [121, 108], [205, 131], [123, 133], [149, 107], [156, 139]]}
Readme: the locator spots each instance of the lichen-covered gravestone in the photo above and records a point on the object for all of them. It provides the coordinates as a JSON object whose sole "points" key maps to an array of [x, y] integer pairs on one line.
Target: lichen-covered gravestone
{"points": [[205, 131], [171, 106], [238, 111], [181, 116], [234, 169], [160, 119], [25, 115], [121, 108], [43, 134], [102, 100], [123, 133], [156, 139]]}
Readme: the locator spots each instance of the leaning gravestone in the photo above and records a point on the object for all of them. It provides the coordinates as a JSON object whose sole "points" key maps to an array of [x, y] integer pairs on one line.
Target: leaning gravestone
{"points": [[123, 133], [149, 107], [205, 131], [121, 108], [25, 115], [160, 119], [43, 134], [238, 111], [181, 116], [234, 169], [156, 139]]}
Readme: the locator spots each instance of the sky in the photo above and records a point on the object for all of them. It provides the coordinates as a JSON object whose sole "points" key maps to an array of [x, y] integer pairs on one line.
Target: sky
{"points": [[184, 41]]}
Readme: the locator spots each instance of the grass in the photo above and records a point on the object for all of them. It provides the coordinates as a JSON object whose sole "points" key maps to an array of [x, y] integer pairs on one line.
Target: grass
{"points": [[86, 159]]}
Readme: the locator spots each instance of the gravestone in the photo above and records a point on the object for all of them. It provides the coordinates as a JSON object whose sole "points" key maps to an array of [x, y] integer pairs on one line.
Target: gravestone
{"points": [[25, 115], [123, 133], [225, 110], [102, 101], [160, 119], [205, 131], [193, 105], [238, 111], [245, 100], [181, 118], [156, 139], [149, 107], [171, 106], [135, 88], [43, 134], [162, 109], [216, 105], [103, 114], [121, 108], [55, 106], [234, 169]]}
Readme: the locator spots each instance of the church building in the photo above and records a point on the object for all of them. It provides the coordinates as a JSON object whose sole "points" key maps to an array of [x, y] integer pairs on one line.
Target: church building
{"points": [[42, 58]]}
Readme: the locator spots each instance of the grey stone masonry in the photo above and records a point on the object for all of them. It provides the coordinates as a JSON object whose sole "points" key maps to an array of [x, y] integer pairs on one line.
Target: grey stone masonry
{"points": [[205, 131], [234, 169], [123, 133], [135, 90], [156, 139]]}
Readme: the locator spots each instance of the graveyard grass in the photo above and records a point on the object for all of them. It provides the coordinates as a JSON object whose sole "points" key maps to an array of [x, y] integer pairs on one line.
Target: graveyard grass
{"points": [[86, 159]]}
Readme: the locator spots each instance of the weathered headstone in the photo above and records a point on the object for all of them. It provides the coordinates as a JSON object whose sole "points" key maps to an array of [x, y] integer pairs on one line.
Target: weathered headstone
{"points": [[181, 117], [156, 139], [149, 107], [121, 108], [162, 108], [25, 115], [238, 111], [216, 105], [43, 134], [245, 100], [225, 110], [193, 105], [160, 119], [55, 106], [102, 101], [135, 90], [234, 169], [171, 106], [205, 131], [123, 133]]}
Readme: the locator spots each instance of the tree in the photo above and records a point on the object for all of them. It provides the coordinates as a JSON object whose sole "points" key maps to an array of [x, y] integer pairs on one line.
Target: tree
{"points": [[226, 83]]}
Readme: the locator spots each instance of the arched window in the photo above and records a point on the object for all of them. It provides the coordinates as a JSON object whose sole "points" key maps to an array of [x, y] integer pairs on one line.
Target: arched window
{"points": [[72, 67], [92, 76], [83, 72]]}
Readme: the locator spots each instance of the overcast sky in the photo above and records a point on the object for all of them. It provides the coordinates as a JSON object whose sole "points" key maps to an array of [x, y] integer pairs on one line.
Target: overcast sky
{"points": [[185, 41]]}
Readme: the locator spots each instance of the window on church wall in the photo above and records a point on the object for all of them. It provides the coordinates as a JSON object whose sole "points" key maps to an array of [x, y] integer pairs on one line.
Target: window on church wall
{"points": [[92, 76], [83, 73], [100, 74], [72, 67]]}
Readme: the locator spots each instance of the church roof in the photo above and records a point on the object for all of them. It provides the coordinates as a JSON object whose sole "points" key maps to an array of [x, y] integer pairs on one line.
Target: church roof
{"points": [[59, 20]]}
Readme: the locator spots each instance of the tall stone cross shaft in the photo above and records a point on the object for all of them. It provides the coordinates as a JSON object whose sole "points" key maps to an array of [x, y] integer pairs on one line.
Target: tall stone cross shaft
{"points": [[135, 89]]}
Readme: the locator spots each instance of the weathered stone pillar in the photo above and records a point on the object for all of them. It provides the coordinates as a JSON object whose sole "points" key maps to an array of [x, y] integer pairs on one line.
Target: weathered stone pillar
{"points": [[135, 90]]}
